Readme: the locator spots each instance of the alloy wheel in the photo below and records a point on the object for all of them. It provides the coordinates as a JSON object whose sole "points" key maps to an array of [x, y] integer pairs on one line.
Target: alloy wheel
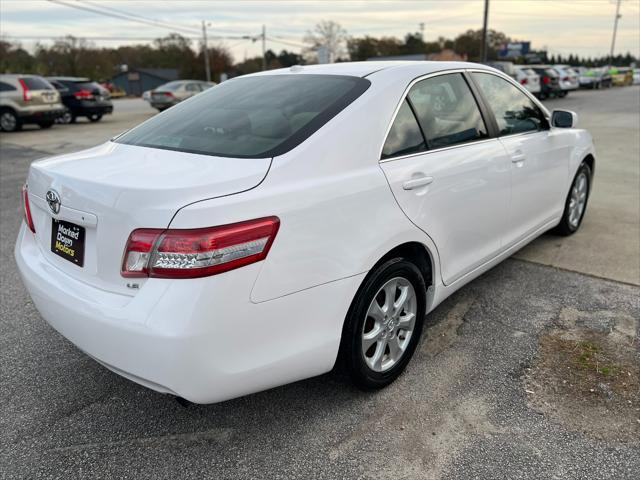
{"points": [[578, 199], [8, 121], [389, 324]]}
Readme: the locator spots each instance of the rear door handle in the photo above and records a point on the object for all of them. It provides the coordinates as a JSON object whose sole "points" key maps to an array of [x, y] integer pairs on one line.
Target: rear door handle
{"points": [[417, 183]]}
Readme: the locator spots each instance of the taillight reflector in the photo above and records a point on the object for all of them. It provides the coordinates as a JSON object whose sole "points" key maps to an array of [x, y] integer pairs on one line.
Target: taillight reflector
{"points": [[26, 209], [546, 80], [193, 253], [524, 81], [83, 95]]}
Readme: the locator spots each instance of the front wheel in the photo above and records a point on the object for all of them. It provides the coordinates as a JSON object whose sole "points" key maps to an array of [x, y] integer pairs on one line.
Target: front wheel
{"points": [[383, 325], [45, 125], [96, 117], [576, 203]]}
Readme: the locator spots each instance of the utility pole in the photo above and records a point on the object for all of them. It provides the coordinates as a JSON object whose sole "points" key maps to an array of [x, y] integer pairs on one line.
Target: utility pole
{"points": [[615, 31], [421, 25], [483, 51], [264, 47], [205, 51]]}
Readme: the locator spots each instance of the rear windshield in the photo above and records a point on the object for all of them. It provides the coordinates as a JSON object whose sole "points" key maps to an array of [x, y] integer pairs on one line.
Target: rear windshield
{"points": [[36, 83], [85, 85], [250, 117], [170, 86]]}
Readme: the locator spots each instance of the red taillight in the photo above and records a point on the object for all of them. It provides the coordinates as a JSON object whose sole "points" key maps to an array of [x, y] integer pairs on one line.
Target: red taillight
{"points": [[546, 80], [26, 94], [27, 209], [83, 94], [524, 81], [198, 252]]}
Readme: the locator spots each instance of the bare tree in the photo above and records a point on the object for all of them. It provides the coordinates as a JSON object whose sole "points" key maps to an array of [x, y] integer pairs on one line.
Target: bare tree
{"points": [[329, 35]]}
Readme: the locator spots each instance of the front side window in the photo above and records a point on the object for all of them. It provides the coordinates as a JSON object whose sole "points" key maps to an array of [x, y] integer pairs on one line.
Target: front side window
{"points": [[250, 117], [404, 137], [447, 111], [515, 112]]}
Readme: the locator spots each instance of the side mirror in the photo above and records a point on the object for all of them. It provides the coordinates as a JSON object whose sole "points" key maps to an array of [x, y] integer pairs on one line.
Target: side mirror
{"points": [[564, 119]]}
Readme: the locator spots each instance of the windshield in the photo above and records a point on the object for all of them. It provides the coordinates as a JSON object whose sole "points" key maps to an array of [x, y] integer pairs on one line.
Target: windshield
{"points": [[250, 117]]}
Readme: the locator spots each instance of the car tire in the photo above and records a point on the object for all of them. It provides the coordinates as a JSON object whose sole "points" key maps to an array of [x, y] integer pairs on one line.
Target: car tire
{"points": [[562, 94], [47, 124], [543, 96], [9, 121], [379, 335], [66, 117], [575, 205], [96, 117]]}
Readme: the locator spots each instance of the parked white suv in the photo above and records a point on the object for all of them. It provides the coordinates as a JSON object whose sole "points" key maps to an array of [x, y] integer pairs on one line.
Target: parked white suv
{"points": [[281, 223]]}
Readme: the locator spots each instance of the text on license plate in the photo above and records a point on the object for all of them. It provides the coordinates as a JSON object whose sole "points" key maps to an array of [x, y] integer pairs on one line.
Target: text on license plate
{"points": [[67, 241]]}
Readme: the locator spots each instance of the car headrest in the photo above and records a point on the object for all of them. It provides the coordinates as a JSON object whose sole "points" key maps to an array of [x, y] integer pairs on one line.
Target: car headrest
{"points": [[270, 124]]}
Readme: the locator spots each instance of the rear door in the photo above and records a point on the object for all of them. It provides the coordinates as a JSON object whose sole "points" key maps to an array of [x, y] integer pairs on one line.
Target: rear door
{"points": [[447, 175], [539, 156]]}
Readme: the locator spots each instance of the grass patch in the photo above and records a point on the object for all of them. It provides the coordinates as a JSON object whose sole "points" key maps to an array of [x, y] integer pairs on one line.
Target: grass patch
{"points": [[590, 356]]}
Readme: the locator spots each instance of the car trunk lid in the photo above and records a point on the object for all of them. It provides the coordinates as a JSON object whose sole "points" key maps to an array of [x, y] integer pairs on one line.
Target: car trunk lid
{"points": [[112, 189]]}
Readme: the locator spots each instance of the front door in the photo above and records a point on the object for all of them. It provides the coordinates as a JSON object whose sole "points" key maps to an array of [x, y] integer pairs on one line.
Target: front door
{"points": [[539, 157]]}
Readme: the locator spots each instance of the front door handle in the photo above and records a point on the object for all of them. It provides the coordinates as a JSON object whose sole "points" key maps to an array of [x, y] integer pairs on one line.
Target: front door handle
{"points": [[518, 157], [417, 183]]}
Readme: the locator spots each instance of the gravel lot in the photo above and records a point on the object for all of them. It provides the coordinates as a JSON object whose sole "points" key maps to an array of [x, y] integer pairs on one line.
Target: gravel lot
{"points": [[477, 401]]}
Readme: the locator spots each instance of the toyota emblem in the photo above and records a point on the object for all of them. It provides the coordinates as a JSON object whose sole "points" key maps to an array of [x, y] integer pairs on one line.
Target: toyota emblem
{"points": [[53, 200]]}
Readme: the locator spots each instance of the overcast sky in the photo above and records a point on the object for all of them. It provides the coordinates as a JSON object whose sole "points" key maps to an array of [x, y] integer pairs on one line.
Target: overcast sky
{"points": [[562, 26]]}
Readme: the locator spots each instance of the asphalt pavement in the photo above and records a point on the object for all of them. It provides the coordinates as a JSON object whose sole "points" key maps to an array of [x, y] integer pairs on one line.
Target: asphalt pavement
{"points": [[463, 409]]}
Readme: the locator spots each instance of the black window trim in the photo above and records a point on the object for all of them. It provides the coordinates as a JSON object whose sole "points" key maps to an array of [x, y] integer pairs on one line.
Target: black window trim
{"points": [[485, 113]]}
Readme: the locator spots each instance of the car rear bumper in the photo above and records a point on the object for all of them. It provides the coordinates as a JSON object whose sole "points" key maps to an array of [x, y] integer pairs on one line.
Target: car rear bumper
{"points": [[40, 115], [89, 108], [195, 338], [162, 105]]}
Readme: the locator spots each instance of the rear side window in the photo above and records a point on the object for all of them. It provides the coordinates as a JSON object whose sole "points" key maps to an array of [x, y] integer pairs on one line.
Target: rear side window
{"points": [[36, 83], [515, 112], [405, 136], [250, 117], [5, 87], [447, 111]]}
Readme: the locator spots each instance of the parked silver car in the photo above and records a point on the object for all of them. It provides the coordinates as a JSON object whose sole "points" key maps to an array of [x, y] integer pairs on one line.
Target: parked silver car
{"points": [[27, 99], [171, 93]]}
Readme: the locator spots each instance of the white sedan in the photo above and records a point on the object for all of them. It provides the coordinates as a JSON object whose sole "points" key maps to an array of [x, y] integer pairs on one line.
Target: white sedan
{"points": [[286, 222]]}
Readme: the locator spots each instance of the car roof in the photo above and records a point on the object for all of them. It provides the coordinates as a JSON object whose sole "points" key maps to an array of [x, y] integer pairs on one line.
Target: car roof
{"points": [[70, 79], [18, 75], [363, 69]]}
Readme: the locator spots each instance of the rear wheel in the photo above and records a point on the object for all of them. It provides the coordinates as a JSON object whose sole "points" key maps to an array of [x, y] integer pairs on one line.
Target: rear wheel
{"points": [[383, 325], [9, 121], [576, 203], [96, 117], [66, 117]]}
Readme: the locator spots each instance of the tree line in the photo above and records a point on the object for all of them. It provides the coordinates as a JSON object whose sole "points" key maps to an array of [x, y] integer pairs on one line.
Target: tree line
{"points": [[74, 56]]}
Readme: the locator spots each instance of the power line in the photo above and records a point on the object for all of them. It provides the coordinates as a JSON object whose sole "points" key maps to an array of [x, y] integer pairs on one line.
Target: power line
{"points": [[153, 23], [145, 19]]}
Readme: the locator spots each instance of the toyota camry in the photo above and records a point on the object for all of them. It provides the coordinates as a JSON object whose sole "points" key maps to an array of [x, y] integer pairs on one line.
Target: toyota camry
{"points": [[285, 223]]}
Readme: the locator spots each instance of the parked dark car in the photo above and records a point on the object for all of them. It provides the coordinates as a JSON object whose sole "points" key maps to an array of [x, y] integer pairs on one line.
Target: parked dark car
{"points": [[549, 81], [82, 98]]}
